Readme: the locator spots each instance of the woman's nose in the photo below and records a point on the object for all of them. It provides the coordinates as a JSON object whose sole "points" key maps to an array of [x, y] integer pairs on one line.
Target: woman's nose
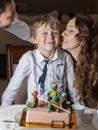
{"points": [[64, 33]]}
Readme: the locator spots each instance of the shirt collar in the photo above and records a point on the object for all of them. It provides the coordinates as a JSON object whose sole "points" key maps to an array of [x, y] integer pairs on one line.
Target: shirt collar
{"points": [[41, 58]]}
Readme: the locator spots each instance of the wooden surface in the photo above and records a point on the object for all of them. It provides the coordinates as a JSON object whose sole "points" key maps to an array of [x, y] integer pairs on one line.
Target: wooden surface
{"points": [[55, 125]]}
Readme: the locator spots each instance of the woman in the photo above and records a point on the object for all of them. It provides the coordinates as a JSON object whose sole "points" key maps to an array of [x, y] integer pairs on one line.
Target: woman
{"points": [[81, 39]]}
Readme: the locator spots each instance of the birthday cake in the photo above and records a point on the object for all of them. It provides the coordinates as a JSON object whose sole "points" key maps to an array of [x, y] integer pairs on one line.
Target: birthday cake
{"points": [[41, 116], [55, 110]]}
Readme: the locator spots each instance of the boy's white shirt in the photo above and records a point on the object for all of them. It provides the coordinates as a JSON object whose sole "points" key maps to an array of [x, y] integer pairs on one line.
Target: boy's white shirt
{"points": [[31, 65]]}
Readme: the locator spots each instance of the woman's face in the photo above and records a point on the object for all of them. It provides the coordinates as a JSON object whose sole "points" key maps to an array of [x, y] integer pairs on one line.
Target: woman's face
{"points": [[69, 41]]}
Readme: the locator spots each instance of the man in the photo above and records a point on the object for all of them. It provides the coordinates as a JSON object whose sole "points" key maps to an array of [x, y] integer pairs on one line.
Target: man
{"points": [[10, 22], [7, 13]]}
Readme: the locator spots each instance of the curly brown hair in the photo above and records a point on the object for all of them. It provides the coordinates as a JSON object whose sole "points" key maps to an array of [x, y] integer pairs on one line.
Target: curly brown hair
{"points": [[87, 62]]}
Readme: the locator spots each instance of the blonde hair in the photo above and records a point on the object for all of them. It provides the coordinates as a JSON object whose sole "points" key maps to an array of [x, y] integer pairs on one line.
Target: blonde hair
{"points": [[45, 20]]}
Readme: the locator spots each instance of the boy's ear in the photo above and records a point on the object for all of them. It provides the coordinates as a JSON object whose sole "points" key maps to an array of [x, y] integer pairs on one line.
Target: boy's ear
{"points": [[34, 40]]}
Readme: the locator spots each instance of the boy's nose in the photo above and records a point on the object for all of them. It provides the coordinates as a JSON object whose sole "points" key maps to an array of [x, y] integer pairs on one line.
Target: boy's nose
{"points": [[50, 35]]}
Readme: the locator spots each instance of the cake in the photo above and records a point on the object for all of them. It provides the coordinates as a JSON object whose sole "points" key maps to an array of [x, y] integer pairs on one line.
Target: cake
{"points": [[42, 116], [55, 110]]}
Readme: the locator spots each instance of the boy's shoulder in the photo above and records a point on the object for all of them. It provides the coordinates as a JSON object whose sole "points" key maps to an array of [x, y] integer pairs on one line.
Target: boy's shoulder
{"points": [[64, 52], [29, 53]]}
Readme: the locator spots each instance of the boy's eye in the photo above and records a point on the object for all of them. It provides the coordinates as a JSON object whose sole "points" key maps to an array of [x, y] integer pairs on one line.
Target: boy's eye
{"points": [[52, 33], [56, 33], [44, 33]]}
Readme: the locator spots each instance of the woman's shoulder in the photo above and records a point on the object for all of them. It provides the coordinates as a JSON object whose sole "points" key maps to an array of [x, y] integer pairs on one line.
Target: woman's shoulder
{"points": [[65, 54]]}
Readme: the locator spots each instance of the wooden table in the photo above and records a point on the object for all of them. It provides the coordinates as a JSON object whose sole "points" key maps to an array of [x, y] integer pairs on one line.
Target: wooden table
{"points": [[9, 113]]}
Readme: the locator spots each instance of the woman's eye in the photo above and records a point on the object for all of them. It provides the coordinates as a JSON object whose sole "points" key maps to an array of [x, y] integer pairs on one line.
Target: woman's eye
{"points": [[70, 31]]}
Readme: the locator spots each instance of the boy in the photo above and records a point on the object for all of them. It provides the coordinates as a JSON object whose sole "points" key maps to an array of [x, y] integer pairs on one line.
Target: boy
{"points": [[43, 66]]}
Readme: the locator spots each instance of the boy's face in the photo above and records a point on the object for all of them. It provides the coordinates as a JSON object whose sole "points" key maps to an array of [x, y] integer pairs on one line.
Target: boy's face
{"points": [[47, 39]]}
